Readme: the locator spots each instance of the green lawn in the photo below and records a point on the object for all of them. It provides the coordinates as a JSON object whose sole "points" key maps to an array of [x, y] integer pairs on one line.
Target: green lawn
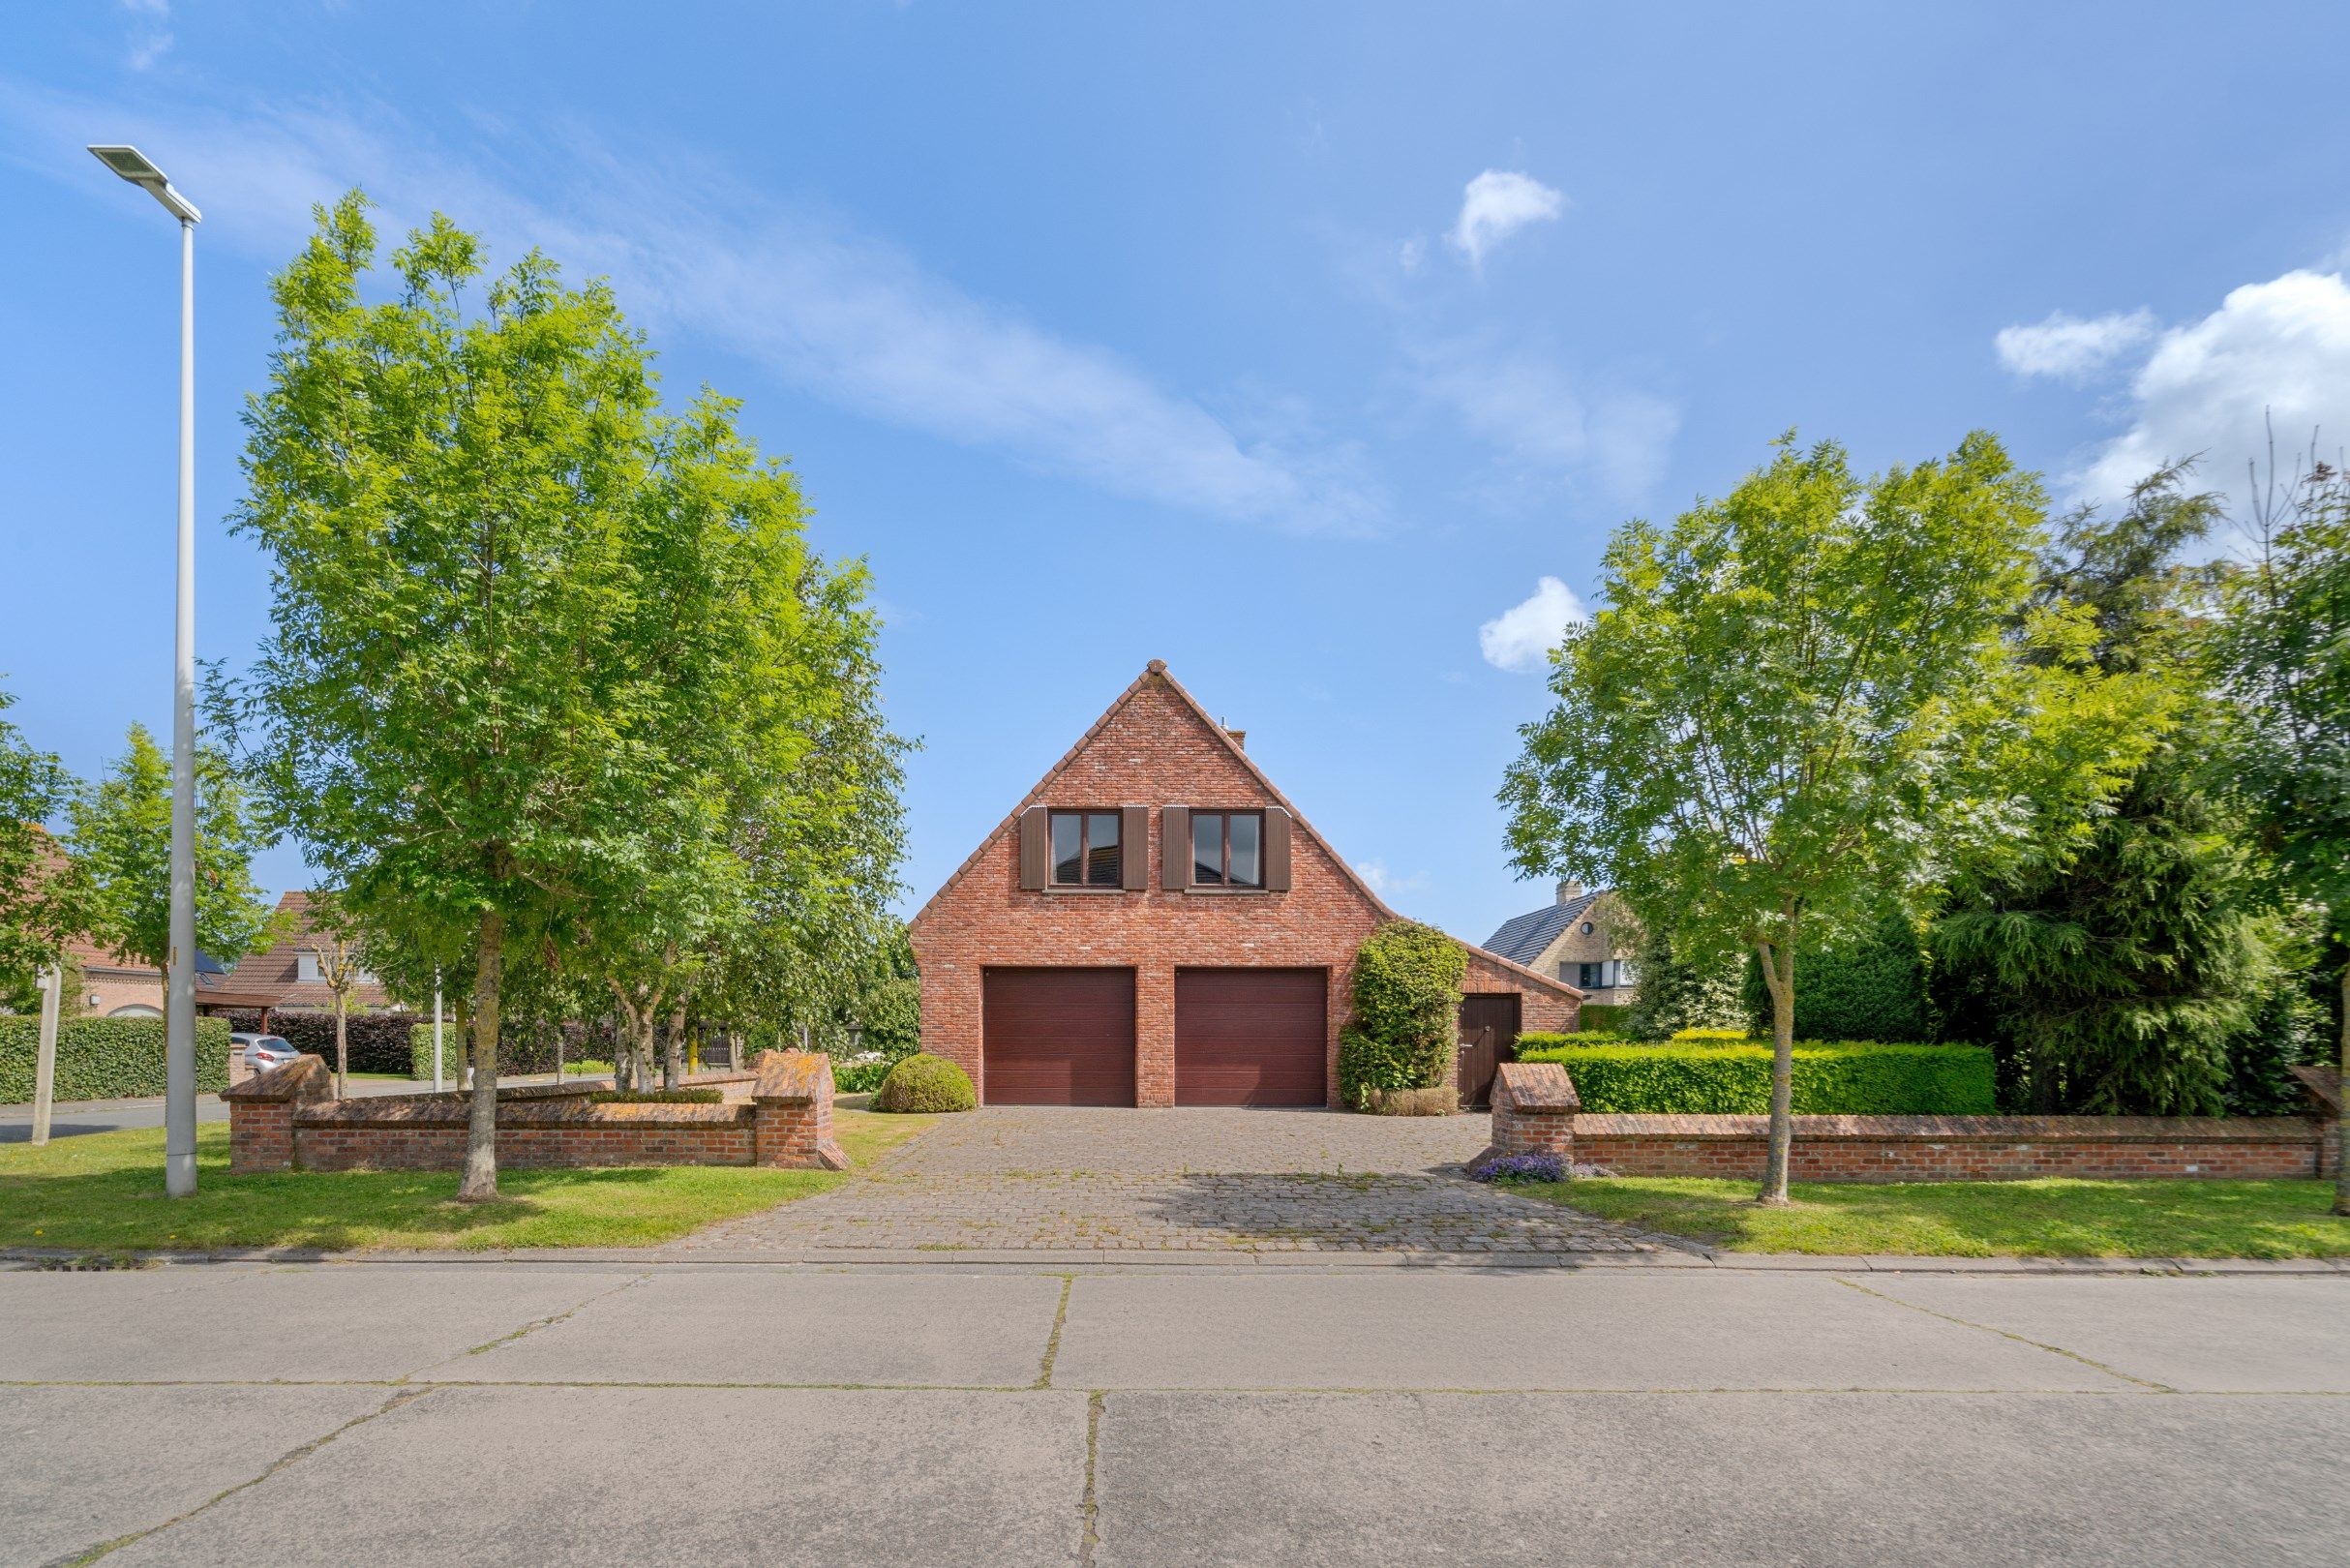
{"points": [[103, 1193], [2042, 1219]]}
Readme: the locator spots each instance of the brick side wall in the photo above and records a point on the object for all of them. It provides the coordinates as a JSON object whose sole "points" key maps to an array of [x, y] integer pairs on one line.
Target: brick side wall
{"points": [[1954, 1148], [1153, 751], [284, 1125]]}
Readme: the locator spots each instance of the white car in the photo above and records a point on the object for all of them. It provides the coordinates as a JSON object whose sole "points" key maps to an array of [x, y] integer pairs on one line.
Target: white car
{"points": [[263, 1051]]}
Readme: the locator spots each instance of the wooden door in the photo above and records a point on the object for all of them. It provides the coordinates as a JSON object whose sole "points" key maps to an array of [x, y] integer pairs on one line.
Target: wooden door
{"points": [[1489, 1038]]}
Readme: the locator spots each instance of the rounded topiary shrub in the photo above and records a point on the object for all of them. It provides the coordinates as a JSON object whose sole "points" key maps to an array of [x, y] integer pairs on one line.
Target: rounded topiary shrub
{"points": [[925, 1083]]}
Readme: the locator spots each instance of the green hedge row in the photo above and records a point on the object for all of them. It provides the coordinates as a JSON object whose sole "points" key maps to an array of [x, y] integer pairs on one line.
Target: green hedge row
{"points": [[106, 1057], [516, 1053], [1855, 1078]]}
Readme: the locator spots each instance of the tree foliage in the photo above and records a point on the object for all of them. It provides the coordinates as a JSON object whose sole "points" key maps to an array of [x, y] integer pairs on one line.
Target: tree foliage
{"points": [[1802, 706], [121, 841], [2281, 651], [44, 898]]}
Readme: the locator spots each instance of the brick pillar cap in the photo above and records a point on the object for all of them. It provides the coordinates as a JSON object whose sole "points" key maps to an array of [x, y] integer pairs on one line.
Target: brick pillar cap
{"points": [[792, 1075], [2325, 1086], [305, 1077], [1537, 1086]]}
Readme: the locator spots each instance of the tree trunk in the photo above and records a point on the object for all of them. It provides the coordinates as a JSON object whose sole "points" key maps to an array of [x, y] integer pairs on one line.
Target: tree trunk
{"points": [[480, 1184], [2341, 1110], [1779, 974], [343, 1052], [673, 1059], [461, 1039]]}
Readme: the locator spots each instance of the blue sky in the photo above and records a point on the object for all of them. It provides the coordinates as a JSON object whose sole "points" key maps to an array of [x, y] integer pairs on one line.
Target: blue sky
{"points": [[1315, 348]]}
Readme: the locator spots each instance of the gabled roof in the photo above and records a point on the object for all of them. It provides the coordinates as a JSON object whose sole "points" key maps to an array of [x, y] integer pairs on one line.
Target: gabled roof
{"points": [[1522, 939], [1156, 671]]}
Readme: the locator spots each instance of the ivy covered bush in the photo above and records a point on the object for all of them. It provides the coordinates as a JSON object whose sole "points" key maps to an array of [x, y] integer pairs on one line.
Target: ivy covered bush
{"points": [[925, 1083], [1858, 1078], [1405, 1028], [106, 1057]]}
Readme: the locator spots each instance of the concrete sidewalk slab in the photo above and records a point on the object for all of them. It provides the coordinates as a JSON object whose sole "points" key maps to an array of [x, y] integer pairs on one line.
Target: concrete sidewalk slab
{"points": [[1628, 1480], [255, 1322], [1521, 1330], [633, 1476], [2172, 1331], [927, 1327], [79, 1466]]}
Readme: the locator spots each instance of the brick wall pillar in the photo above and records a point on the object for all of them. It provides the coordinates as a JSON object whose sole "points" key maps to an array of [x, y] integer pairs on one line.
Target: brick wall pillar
{"points": [[792, 1112], [1534, 1106], [2323, 1087], [261, 1113]]}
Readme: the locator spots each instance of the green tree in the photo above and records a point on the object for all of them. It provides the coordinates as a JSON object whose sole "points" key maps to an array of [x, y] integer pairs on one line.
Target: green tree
{"points": [[1800, 708], [122, 841], [44, 897], [2281, 648], [2122, 972], [456, 709], [1676, 994]]}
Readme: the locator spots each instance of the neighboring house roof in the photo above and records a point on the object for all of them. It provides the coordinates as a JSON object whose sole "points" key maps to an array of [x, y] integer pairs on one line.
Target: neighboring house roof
{"points": [[1157, 671], [1522, 940], [273, 977]]}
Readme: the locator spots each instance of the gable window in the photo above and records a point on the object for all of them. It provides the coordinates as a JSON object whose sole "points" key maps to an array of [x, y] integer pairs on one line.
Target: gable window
{"points": [[1085, 848], [1227, 849]]}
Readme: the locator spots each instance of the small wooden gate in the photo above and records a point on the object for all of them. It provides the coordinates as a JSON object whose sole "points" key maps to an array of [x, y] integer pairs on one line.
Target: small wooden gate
{"points": [[1489, 1038]]}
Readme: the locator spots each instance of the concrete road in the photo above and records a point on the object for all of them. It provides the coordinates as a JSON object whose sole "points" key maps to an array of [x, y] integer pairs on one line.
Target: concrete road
{"points": [[570, 1412], [68, 1118]]}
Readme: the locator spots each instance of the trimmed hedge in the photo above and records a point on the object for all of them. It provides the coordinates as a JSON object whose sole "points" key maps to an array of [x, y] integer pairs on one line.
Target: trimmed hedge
{"points": [[379, 1040], [1855, 1078], [532, 1054], [106, 1057], [924, 1082], [657, 1097]]}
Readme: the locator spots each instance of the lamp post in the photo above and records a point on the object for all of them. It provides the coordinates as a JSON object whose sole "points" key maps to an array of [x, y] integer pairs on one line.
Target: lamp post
{"points": [[179, 973]]}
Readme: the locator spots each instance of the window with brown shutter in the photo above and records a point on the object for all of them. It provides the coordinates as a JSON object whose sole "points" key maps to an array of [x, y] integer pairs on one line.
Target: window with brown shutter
{"points": [[1227, 849], [1277, 850], [1036, 849], [1174, 848], [1085, 848]]}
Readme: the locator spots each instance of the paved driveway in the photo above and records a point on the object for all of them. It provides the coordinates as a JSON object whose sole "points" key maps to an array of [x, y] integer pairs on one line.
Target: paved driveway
{"points": [[1195, 1179]]}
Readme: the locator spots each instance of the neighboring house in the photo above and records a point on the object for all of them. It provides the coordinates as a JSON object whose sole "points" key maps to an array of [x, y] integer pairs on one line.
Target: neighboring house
{"points": [[1586, 939], [1155, 924], [286, 977]]}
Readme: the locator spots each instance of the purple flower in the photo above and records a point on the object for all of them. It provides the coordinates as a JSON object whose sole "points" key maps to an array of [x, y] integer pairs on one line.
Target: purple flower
{"points": [[1524, 1167]]}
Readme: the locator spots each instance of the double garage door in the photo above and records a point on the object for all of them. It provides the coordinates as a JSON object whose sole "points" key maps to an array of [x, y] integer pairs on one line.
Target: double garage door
{"points": [[1066, 1037]]}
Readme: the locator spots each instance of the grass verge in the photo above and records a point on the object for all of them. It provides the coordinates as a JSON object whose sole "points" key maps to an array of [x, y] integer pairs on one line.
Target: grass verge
{"points": [[104, 1191], [2038, 1219]]}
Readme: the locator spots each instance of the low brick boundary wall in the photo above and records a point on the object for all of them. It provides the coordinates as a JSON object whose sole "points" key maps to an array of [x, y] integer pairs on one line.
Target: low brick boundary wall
{"points": [[778, 1114], [1535, 1110]]}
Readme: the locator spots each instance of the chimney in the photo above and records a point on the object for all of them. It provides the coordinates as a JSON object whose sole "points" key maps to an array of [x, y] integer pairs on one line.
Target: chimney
{"points": [[1570, 890], [1240, 737]]}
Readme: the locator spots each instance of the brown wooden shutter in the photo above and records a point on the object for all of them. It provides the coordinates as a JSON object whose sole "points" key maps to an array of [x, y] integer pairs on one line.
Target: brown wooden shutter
{"points": [[1277, 850], [1175, 848], [1036, 849], [1134, 846]]}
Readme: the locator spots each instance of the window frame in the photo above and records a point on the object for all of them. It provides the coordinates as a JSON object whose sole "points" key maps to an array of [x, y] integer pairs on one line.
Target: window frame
{"points": [[1084, 816], [1225, 850]]}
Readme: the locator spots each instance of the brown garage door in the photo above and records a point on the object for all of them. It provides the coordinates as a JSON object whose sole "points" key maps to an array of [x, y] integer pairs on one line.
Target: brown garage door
{"points": [[1249, 1037], [1059, 1037]]}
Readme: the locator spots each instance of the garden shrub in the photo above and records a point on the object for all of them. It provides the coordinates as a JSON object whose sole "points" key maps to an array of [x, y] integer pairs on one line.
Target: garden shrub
{"points": [[1858, 1078], [657, 1097], [106, 1057], [1727, 1036], [1405, 1028], [859, 1077], [1604, 1018], [519, 1050], [1444, 1099], [1871, 985], [925, 1083]]}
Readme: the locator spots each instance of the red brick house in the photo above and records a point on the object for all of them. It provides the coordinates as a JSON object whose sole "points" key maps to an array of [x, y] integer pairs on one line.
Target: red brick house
{"points": [[1155, 924]]}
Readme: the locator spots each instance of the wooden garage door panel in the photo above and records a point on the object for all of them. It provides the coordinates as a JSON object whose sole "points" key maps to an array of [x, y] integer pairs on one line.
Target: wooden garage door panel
{"points": [[1250, 1036], [1059, 1037]]}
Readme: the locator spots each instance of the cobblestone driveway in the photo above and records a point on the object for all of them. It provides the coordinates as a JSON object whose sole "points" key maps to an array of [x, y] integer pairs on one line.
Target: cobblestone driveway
{"points": [[1185, 1180]]}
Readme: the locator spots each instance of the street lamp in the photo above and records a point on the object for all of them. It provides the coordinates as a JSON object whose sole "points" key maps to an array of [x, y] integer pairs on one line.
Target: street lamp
{"points": [[179, 973]]}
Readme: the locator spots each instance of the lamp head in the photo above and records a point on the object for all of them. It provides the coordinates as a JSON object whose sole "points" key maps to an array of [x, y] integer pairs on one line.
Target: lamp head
{"points": [[140, 170]]}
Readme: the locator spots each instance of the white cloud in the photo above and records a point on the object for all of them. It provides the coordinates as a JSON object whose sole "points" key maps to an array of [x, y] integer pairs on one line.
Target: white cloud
{"points": [[2275, 350], [1520, 638], [150, 37], [2069, 347], [803, 294], [1385, 882], [1530, 411], [1497, 204]]}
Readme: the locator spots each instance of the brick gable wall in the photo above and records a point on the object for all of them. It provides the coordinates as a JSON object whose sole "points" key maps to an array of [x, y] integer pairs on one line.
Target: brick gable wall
{"points": [[1156, 749]]}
